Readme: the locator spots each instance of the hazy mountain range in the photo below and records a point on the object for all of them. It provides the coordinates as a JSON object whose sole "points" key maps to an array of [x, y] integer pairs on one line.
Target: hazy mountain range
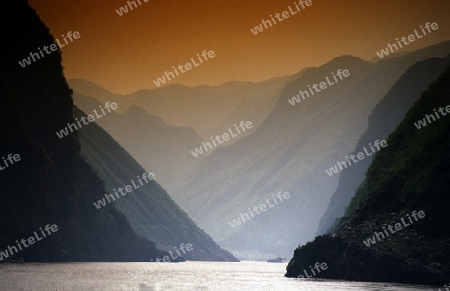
{"points": [[289, 151], [162, 136], [210, 110]]}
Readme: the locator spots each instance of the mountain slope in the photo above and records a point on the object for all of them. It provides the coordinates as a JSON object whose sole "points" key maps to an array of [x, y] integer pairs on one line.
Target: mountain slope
{"points": [[290, 151], [151, 212], [382, 121], [411, 174], [51, 184], [162, 149]]}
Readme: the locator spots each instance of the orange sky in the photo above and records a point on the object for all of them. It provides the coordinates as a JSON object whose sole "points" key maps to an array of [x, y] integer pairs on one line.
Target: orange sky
{"points": [[126, 53]]}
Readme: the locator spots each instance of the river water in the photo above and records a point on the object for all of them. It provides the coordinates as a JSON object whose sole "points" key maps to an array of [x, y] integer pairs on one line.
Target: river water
{"points": [[171, 276]]}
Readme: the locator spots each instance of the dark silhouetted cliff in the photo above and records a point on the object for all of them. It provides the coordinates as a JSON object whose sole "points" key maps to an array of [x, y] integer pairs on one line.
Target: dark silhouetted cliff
{"points": [[51, 184]]}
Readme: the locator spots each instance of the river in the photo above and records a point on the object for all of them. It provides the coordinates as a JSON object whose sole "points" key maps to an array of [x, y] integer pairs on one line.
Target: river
{"points": [[171, 276]]}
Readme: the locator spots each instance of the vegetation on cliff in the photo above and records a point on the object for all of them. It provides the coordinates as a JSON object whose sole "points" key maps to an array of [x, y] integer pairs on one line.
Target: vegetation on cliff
{"points": [[412, 173]]}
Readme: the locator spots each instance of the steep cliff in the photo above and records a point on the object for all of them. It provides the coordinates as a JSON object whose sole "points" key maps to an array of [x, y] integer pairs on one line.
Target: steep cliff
{"points": [[384, 118], [409, 176], [51, 183]]}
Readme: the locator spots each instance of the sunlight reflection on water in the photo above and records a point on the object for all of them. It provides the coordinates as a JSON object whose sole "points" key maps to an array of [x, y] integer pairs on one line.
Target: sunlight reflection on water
{"points": [[171, 276]]}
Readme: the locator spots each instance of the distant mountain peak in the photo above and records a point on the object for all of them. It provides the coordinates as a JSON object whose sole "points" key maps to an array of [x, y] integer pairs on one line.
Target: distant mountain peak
{"points": [[347, 60]]}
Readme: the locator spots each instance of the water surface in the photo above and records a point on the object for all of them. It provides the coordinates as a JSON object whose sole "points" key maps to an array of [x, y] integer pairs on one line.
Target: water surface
{"points": [[171, 276]]}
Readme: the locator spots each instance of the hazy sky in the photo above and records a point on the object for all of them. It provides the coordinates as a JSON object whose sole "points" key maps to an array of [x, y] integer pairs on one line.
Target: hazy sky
{"points": [[126, 53]]}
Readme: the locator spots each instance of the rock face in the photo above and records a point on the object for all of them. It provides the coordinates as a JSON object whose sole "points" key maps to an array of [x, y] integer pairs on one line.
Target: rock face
{"points": [[382, 121], [51, 184], [411, 174]]}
